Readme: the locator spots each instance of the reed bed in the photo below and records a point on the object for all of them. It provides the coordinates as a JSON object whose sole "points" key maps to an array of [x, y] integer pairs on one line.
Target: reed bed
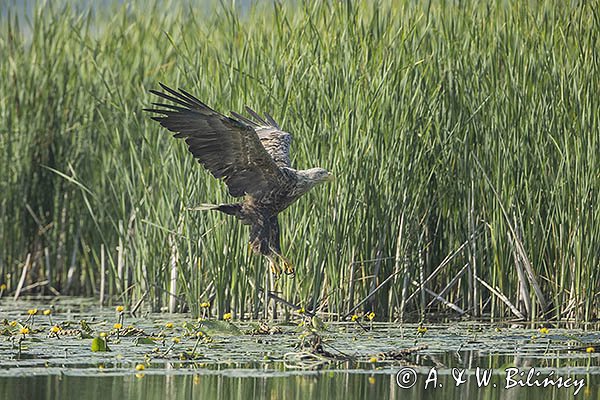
{"points": [[464, 138]]}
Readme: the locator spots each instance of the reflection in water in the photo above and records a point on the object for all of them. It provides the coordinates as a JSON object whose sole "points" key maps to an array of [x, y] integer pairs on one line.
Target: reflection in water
{"points": [[326, 385]]}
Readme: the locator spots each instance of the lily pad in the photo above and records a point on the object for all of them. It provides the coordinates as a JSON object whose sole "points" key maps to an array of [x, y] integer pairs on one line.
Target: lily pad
{"points": [[220, 327], [144, 340], [99, 344]]}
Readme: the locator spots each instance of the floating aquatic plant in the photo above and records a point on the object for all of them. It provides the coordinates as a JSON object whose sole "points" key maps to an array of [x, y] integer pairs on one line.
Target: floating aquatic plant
{"points": [[99, 344]]}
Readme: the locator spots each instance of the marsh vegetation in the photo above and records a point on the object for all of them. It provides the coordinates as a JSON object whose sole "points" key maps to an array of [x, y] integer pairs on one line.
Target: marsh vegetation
{"points": [[464, 138]]}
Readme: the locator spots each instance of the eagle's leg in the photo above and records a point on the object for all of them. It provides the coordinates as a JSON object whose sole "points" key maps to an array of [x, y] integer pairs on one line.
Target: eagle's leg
{"points": [[259, 242], [264, 239], [275, 246]]}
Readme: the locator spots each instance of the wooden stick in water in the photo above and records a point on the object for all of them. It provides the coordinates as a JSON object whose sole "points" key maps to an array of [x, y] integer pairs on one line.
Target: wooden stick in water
{"points": [[173, 280], [102, 273], [23, 276]]}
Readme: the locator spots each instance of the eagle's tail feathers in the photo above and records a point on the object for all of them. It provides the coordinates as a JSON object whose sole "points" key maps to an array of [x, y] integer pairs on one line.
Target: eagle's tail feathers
{"points": [[204, 207], [230, 209]]}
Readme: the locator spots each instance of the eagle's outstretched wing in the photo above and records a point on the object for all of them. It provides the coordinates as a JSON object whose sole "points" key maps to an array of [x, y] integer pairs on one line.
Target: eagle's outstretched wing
{"points": [[229, 149], [274, 140]]}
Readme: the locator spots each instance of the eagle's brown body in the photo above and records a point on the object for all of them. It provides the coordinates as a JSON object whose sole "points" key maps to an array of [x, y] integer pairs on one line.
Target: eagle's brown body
{"points": [[250, 156]]}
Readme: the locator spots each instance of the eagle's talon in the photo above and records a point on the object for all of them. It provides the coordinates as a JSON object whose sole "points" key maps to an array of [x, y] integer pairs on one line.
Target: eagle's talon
{"points": [[275, 269], [288, 268]]}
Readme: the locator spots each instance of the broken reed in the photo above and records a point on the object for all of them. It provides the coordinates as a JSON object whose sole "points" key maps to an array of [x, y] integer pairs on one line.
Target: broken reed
{"points": [[464, 138]]}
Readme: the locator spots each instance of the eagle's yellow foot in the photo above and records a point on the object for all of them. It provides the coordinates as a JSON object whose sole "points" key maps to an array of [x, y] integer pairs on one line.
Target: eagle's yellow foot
{"points": [[274, 266], [288, 268], [277, 262]]}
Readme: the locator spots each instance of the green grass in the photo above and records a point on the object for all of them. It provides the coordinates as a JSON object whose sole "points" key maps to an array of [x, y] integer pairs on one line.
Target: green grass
{"points": [[445, 124]]}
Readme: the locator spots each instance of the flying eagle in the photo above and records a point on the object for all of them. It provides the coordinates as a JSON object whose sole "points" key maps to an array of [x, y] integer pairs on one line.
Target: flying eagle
{"points": [[251, 156]]}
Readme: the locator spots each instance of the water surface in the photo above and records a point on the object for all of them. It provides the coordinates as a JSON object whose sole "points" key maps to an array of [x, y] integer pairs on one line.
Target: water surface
{"points": [[236, 362]]}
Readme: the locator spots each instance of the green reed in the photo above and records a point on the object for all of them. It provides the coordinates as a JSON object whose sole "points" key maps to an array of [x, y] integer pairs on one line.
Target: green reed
{"points": [[464, 138]]}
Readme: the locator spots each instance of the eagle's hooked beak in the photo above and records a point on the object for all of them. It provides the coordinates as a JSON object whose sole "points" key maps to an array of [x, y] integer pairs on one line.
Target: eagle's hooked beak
{"points": [[330, 177]]}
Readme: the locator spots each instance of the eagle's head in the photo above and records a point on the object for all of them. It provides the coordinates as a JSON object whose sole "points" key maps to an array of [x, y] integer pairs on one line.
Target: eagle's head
{"points": [[318, 175]]}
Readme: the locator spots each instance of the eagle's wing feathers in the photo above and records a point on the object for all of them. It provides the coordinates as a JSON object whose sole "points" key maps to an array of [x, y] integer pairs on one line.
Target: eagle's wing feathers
{"points": [[231, 150], [274, 140]]}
